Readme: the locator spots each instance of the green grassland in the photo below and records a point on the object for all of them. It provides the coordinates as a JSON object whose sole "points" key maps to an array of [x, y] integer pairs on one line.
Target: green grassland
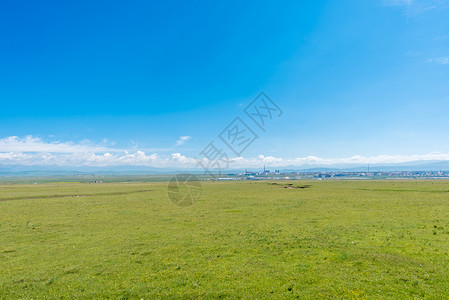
{"points": [[334, 239]]}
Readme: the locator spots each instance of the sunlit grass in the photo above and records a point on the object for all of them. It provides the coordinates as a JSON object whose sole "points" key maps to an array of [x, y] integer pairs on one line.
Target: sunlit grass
{"points": [[335, 239]]}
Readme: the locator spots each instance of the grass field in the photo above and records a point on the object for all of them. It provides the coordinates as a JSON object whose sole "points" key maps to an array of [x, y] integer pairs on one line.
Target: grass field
{"points": [[335, 239]]}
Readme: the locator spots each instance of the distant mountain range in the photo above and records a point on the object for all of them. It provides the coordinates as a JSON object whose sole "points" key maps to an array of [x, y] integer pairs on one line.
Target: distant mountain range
{"points": [[138, 170]]}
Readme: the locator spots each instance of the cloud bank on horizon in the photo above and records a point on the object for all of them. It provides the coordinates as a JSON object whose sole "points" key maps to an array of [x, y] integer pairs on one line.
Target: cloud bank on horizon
{"points": [[33, 151]]}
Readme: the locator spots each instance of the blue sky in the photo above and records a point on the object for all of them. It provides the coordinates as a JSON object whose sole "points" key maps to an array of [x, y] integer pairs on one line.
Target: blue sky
{"points": [[116, 83]]}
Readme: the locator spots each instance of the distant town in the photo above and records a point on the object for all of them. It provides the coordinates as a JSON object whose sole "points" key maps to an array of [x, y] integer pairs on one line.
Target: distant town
{"points": [[265, 174], [334, 175]]}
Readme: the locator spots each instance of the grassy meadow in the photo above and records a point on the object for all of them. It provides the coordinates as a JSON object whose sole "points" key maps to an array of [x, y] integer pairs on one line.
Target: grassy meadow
{"points": [[334, 240]]}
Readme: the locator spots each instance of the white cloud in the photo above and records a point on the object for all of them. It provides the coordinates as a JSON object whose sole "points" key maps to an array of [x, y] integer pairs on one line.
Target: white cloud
{"points": [[36, 144], [138, 158], [31, 151], [356, 159], [440, 38], [415, 7], [399, 2], [182, 140], [413, 53], [444, 60]]}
